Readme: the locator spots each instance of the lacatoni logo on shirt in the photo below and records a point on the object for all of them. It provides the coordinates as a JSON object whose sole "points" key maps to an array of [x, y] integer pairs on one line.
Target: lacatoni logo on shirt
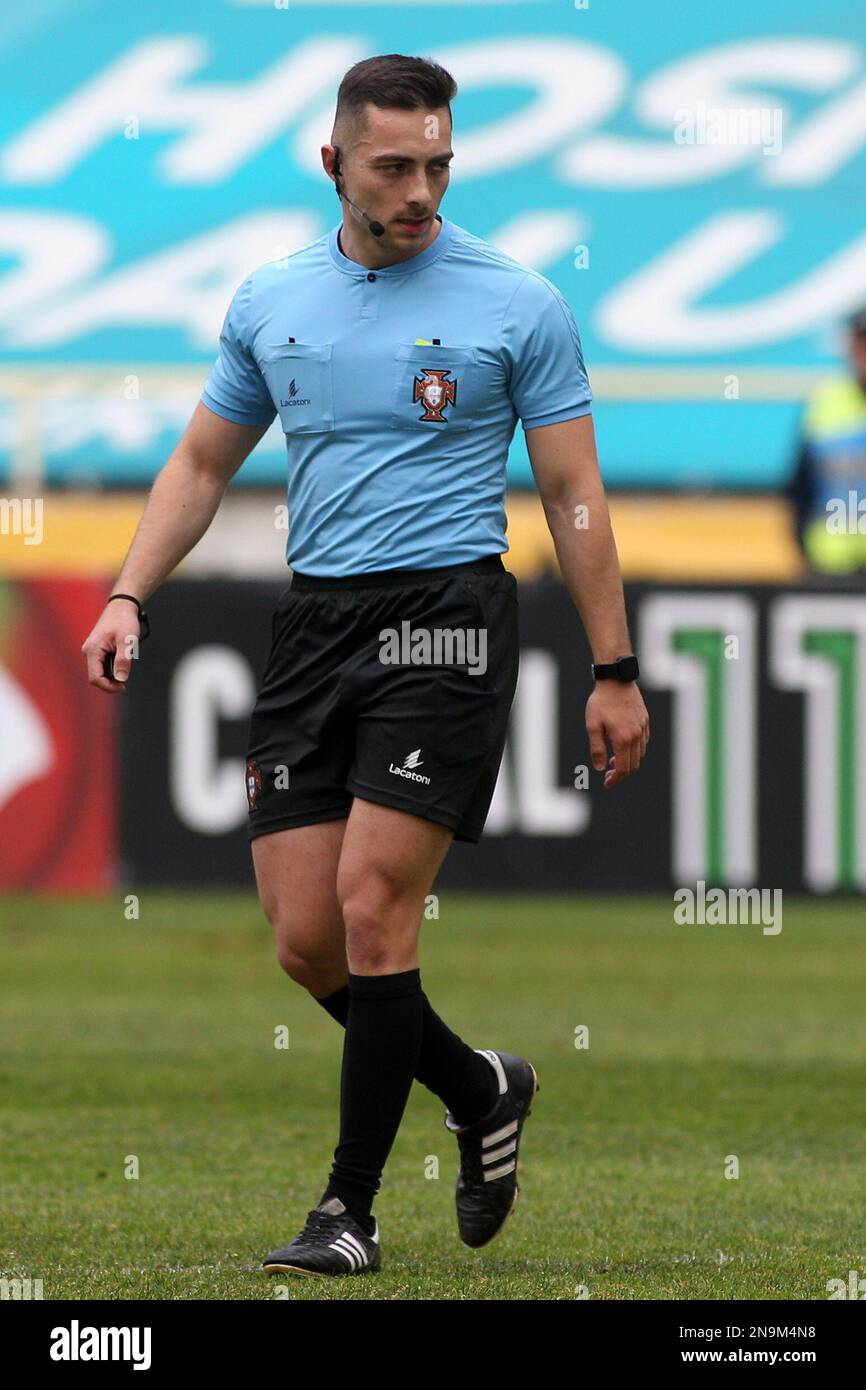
{"points": [[294, 398], [410, 762], [435, 393]]}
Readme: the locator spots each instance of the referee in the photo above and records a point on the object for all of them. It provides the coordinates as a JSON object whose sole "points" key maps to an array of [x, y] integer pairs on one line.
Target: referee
{"points": [[398, 351]]}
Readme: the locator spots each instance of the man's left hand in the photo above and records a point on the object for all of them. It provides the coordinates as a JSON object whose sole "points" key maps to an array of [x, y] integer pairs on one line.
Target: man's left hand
{"points": [[616, 714]]}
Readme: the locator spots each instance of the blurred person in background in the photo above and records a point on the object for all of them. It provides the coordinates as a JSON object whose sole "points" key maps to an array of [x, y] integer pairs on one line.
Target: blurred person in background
{"points": [[828, 486]]}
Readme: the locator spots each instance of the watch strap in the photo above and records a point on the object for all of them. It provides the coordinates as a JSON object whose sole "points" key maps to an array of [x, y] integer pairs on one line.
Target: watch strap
{"points": [[625, 668]]}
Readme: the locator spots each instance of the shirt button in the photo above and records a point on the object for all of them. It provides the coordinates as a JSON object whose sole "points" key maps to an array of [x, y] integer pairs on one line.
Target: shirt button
{"points": [[371, 276]]}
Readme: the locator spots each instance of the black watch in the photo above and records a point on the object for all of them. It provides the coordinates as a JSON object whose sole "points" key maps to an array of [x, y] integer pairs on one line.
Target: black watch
{"points": [[625, 668]]}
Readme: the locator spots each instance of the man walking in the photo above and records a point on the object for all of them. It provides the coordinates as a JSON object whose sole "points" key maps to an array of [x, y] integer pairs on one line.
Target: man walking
{"points": [[398, 351]]}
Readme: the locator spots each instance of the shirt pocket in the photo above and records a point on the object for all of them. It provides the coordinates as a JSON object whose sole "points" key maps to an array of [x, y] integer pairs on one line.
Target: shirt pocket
{"points": [[300, 380], [435, 388]]}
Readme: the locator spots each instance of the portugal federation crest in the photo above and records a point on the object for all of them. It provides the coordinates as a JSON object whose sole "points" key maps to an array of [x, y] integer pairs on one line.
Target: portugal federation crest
{"points": [[435, 393]]}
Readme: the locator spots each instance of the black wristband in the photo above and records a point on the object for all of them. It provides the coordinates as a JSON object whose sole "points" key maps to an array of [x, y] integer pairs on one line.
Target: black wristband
{"points": [[625, 668], [142, 615]]}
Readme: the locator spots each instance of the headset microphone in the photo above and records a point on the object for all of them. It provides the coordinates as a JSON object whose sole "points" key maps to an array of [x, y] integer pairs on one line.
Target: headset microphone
{"points": [[375, 228]]}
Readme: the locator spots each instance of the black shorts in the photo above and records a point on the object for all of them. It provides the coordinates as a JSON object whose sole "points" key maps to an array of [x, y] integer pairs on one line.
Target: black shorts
{"points": [[394, 687]]}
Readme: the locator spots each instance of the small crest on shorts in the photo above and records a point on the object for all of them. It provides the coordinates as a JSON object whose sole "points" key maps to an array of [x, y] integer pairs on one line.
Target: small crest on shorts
{"points": [[254, 783]]}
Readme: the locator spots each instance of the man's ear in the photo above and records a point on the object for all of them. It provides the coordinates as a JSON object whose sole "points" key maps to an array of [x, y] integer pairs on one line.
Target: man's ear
{"points": [[335, 172]]}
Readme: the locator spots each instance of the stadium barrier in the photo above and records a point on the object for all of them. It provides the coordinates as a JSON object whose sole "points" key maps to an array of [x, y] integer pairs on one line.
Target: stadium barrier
{"points": [[756, 774]]}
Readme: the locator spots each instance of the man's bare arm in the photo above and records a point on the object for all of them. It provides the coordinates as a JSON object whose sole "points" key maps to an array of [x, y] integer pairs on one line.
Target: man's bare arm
{"points": [[565, 465], [181, 506]]}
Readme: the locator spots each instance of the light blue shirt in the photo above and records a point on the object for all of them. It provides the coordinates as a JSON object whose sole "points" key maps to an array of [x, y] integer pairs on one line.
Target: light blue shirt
{"points": [[397, 448]]}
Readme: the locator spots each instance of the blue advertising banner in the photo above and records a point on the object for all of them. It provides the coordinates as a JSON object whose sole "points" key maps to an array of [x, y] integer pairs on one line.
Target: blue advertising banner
{"points": [[691, 179]]}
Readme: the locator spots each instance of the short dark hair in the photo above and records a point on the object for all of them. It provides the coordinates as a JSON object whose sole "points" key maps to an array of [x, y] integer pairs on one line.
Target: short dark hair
{"points": [[394, 80]]}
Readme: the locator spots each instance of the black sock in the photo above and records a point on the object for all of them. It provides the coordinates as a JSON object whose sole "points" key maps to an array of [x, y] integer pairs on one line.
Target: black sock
{"points": [[462, 1079], [380, 1054], [336, 1004]]}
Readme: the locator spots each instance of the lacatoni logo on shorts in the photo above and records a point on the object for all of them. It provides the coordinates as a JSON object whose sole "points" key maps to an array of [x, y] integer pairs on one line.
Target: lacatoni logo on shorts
{"points": [[410, 762], [439, 646], [77, 1343]]}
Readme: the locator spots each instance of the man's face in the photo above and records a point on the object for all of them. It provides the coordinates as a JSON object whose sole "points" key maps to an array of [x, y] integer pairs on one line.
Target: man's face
{"points": [[397, 171]]}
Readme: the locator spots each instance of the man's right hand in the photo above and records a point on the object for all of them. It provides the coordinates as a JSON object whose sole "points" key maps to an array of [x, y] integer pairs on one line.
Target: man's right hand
{"points": [[118, 631]]}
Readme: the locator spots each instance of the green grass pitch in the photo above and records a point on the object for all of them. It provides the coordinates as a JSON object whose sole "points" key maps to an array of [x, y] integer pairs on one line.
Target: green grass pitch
{"points": [[155, 1038]]}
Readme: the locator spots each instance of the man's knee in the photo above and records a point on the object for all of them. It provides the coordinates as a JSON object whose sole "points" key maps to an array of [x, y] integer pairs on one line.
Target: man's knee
{"points": [[296, 966], [373, 910], [319, 971]]}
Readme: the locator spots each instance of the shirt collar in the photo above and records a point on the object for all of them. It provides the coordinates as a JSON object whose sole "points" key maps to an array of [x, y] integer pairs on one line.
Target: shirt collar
{"points": [[425, 257]]}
